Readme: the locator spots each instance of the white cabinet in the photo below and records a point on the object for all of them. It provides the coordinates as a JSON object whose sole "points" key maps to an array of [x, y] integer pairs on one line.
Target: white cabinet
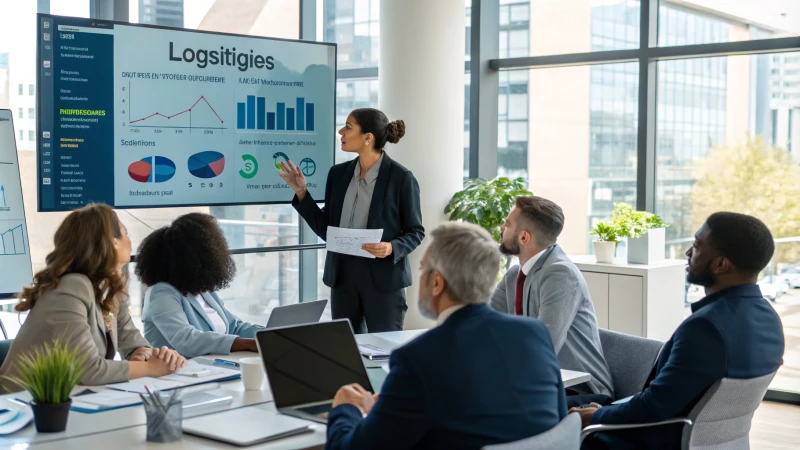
{"points": [[598, 289], [625, 309], [637, 299]]}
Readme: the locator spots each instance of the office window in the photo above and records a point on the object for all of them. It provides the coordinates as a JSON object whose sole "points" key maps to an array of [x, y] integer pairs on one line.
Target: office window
{"points": [[74, 8], [31, 135], [574, 26], [726, 21], [21, 135], [31, 90], [578, 144], [720, 151], [353, 25], [20, 113], [31, 113], [20, 89]]}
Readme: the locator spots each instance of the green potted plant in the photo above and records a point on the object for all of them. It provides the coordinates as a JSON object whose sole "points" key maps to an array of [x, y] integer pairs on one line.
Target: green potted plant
{"points": [[486, 203], [49, 374], [607, 239], [645, 232]]}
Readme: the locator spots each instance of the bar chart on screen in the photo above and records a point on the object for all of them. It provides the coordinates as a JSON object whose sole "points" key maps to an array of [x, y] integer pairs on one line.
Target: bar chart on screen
{"points": [[295, 117]]}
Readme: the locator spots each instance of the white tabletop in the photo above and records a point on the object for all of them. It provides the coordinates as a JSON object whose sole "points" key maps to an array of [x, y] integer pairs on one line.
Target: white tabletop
{"points": [[135, 438], [82, 424], [126, 425]]}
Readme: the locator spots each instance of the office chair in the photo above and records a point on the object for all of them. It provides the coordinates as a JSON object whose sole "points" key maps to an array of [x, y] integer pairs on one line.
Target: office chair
{"points": [[720, 420], [564, 436], [630, 360]]}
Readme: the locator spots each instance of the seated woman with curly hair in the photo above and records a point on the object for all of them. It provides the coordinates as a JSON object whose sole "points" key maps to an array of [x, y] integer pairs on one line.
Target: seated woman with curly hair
{"points": [[183, 264]]}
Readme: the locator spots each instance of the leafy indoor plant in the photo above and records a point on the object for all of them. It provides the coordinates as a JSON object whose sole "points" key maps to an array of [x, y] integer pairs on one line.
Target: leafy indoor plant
{"points": [[50, 373], [645, 233], [607, 239], [486, 203]]}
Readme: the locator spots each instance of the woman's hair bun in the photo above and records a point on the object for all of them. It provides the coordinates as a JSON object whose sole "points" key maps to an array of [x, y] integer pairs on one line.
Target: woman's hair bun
{"points": [[395, 130]]}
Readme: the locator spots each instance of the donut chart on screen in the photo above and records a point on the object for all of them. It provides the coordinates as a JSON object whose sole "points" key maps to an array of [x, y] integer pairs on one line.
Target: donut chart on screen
{"points": [[146, 171], [208, 164]]}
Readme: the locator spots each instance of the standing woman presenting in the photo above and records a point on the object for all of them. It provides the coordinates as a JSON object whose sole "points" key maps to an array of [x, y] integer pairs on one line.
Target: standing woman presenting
{"points": [[370, 192]]}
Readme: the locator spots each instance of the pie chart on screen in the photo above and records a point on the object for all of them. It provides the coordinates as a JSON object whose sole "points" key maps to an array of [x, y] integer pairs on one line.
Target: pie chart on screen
{"points": [[207, 164], [152, 169]]}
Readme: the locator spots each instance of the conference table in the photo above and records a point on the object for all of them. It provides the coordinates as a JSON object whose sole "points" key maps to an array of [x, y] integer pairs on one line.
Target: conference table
{"points": [[126, 427]]}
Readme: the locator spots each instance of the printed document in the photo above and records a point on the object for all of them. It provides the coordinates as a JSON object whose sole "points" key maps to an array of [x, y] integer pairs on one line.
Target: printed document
{"points": [[349, 240]]}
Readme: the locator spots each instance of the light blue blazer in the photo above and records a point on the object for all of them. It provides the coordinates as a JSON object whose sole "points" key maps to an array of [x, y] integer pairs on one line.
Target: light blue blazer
{"points": [[179, 322]]}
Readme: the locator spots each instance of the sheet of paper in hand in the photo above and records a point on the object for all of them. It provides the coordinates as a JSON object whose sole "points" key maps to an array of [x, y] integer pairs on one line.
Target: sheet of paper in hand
{"points": [[349, 241]]}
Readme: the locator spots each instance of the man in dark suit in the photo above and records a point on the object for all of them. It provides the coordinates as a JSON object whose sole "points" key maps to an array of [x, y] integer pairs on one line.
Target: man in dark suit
{"points": [[478, 378], [732, 333]]}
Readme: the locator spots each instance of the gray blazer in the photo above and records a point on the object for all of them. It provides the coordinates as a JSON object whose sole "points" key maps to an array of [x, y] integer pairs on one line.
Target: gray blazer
{"points": [[70, 312], [556, 293], [179, 322]]}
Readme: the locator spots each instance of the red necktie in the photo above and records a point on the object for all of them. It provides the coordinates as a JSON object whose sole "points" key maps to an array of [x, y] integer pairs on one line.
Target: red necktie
{"points": [[520, 288]]}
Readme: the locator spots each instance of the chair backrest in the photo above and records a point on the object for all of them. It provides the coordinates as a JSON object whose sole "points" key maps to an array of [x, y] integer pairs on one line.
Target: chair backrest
{"points": [[722, 417], [564, 436], [630, 360], [5, 346]]}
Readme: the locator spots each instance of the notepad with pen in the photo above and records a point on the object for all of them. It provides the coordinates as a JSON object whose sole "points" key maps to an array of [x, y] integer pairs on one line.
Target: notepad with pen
{"points": [[372, 352]]}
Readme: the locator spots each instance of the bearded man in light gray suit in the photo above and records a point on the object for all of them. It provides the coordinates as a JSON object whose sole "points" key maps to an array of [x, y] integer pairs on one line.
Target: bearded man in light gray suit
{"points": [[546, 285]]}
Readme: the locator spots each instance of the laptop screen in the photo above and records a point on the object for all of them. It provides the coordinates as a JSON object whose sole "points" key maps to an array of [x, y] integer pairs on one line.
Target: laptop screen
{"points": [[309, 363]]}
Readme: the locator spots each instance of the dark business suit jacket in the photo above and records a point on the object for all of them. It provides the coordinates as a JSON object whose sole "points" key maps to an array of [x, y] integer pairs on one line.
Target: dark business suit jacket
{"points": [[394, 208], [733, 333], [480, 378]]}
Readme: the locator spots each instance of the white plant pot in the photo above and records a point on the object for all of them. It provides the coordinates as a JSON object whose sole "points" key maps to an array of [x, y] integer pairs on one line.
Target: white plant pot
{"points": [[604, 251], [647, 249]]}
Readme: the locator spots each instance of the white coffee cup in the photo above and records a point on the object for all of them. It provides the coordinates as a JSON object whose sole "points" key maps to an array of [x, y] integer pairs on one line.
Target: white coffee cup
{"points": [[252, 373]]}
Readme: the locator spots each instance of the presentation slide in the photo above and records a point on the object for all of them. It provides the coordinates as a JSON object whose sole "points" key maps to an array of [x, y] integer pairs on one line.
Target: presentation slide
{"points": [[137, 116], [15, 256]]}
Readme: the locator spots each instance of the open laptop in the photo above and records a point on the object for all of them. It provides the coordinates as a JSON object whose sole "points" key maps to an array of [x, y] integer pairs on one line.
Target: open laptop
{"points": [[306, 312], [307, 364]]}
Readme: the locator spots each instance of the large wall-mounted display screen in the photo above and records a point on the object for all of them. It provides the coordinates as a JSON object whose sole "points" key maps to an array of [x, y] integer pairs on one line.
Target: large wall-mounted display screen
{"points": [[138, 116]]}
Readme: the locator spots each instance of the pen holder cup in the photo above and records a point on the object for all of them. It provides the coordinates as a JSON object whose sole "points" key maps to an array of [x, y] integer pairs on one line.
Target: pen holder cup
{"points": [[164, 425]]}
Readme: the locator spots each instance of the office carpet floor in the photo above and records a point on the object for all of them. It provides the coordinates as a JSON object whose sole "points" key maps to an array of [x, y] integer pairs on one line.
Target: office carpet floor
{"points": [[776, 426]]}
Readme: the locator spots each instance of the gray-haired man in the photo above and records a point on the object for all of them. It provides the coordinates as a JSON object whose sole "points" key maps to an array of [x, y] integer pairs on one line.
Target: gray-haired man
{"points": [[546, 285], [478, 378]]}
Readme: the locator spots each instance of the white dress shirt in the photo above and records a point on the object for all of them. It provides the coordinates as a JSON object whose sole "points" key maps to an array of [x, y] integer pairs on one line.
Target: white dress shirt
{"points": [[526, 268], [216, 321]]}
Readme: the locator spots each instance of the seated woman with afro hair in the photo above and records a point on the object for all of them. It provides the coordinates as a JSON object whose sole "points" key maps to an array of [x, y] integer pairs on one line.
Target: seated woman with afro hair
{"points": [[184, 264]]}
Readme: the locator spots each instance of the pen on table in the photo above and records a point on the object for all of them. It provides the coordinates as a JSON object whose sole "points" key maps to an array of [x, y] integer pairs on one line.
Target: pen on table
{"points": [[226, 362], [18, 401]]}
